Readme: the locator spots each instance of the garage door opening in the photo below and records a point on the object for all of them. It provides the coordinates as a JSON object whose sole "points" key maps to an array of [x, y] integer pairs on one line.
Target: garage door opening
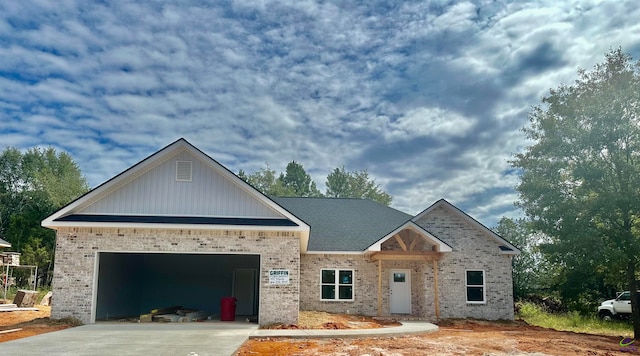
{"points": [[132, 284]]}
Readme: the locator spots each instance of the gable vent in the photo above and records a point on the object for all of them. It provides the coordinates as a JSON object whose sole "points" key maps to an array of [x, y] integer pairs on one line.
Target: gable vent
{"points": [[183, 171]]}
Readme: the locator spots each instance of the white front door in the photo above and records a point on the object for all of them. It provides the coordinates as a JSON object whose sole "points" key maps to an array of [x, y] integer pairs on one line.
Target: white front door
{"points": [[400, 291]]}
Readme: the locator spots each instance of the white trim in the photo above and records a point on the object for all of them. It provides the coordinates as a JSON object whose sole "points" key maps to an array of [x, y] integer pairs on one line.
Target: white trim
{"points": [[94, 292], [410, 225], [187, 215], [96, 270], [468, 219], [483, 286], [337, 284]]}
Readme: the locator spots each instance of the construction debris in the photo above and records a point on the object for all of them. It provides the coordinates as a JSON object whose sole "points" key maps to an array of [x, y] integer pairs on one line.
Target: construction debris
{"points": [[25, 298], [174, 315], [46, 300], [10, 331], [13, 307]]}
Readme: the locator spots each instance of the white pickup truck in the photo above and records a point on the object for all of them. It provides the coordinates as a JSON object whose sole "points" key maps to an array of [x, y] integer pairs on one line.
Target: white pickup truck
{"points": [[616, 308]]}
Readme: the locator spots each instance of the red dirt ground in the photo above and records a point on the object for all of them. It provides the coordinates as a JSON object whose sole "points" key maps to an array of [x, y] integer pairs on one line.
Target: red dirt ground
{"points": [[458, 337], [462, 337], [31, 323]]}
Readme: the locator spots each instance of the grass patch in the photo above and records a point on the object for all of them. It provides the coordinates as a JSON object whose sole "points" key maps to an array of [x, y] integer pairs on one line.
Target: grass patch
{"points": [[572, 321]]}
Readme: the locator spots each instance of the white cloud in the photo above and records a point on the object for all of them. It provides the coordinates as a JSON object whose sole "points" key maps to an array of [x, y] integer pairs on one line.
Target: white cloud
{"points": [[458, 17], [428, 96], [434, 122]]}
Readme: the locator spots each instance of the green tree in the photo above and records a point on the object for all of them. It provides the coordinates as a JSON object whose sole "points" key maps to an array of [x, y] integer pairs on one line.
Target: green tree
{"points": [[531, 271], [35, 253], [33, 185], [298, 180], [580, 177], [356, 184], [266, 182]]}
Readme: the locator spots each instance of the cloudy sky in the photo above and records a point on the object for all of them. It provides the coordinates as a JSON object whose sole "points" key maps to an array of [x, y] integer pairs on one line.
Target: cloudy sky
{"points": [[428, 96]]}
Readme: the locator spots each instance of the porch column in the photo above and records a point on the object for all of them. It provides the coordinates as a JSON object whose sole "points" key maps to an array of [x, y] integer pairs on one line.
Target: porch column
{"points": [[379, 287], [435, 288]]}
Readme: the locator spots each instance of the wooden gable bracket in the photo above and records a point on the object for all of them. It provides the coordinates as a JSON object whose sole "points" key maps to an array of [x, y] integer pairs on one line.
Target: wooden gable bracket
{"points": [[405, 256], [413, 243], [400, 242]]}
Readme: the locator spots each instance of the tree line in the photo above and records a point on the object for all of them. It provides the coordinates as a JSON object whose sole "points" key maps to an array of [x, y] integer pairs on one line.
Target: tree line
{"points": [[296, 182], [33, 185]]}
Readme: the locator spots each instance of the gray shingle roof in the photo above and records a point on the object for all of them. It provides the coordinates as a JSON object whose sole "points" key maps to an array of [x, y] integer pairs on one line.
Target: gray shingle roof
{"points": [[344, 224]]}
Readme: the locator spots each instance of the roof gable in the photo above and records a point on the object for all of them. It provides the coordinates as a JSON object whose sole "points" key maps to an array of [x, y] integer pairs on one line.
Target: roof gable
{"points": [[154, 187], [410, 225], [505, 246], [158, 191]]}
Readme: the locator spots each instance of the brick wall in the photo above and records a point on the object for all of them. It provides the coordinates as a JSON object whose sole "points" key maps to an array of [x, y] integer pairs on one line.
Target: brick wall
{"points": [[76, 250], [472, 249], [365, 285]]}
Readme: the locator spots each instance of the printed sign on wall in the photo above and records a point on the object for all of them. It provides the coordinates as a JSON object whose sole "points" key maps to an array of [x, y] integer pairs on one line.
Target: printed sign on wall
{"points": [[279, 276]]}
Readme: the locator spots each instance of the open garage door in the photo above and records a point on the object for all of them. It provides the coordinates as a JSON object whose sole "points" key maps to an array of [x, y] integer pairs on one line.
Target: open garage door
{"points": [[131, 284]]}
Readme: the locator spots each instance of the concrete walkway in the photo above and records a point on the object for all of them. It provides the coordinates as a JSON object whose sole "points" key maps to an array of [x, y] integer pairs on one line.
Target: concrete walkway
{"points": [[187, 339], [407, 327]]}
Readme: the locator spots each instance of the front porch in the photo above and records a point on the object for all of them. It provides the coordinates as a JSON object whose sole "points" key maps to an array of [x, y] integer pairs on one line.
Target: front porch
{"points": [[407, 260]]}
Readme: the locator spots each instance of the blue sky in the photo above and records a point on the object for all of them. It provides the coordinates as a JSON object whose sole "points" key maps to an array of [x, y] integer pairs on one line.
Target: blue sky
{"points": [[428, 96]]}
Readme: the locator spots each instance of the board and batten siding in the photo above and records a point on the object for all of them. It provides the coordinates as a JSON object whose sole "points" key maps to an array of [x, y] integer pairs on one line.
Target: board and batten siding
{"points": [[157, 192]]}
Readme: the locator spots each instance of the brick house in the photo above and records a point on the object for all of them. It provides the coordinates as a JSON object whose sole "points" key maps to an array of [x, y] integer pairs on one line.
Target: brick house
{"points": [[178, 228]]}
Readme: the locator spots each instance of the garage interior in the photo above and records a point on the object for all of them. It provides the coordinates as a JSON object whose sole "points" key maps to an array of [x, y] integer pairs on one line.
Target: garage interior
{"points": [[132, 284]]}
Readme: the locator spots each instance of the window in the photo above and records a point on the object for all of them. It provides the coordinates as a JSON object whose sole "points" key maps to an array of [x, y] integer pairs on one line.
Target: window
{"points": [[475, 287], [336, 284], [625, 296]]}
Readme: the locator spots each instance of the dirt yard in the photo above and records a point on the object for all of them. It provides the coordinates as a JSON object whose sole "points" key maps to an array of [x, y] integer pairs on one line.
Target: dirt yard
{"points": [[461, 337], [31, 323]]}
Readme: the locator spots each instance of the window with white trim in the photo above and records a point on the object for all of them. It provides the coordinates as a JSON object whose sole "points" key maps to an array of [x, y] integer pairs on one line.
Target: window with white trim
{"points": [[336, 284], [475, 285]]}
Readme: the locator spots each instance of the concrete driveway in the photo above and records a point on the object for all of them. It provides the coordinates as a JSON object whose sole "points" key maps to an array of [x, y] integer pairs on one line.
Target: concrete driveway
{"points": [[187, 339]]}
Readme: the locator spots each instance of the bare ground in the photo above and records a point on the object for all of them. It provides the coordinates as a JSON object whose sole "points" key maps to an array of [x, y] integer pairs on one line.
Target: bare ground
{"points": [[31, 323], [457, 337]]}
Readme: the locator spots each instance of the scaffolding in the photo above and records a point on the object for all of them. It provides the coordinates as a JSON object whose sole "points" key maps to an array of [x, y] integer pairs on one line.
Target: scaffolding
{"points": [[7, 279]]}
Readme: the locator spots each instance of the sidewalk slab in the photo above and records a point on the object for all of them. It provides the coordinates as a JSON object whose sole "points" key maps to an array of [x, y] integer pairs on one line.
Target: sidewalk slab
{"points": [[407, 327]]}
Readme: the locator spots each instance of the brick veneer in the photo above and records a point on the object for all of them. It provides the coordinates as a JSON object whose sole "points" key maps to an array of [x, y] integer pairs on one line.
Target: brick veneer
{"points": [[472, 249], [365, 285], [76, 250]]}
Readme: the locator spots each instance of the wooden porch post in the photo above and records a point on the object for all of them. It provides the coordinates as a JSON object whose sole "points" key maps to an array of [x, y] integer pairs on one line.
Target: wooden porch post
{"points": [[379, 287], [435, 288]]}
